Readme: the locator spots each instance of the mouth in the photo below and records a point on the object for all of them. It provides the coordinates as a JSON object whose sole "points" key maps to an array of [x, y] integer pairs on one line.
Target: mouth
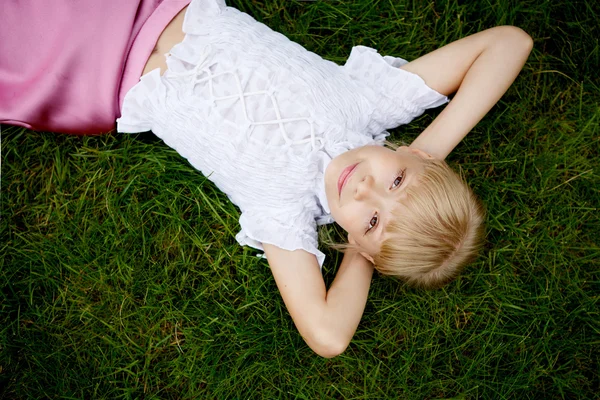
{"points": [[345, 176]]}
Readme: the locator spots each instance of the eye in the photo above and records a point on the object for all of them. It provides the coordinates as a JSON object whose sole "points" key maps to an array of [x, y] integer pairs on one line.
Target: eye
{"points": [[399, 179], [372, 223]]}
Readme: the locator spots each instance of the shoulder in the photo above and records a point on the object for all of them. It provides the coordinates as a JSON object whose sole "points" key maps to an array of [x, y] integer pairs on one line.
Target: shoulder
{"points": [[287, 229]]}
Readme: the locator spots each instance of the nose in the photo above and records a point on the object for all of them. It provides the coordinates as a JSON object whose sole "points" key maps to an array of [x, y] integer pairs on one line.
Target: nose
{"points": [[364, 188]]}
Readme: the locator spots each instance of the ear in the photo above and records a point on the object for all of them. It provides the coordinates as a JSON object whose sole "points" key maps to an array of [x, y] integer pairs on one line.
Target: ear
{"points": [[367, 256], [362, 253]]}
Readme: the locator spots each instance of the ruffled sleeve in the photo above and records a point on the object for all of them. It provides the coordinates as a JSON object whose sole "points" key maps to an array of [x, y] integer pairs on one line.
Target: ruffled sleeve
{"points": [[200, 13], [286, 229], [399, 96], [141, 103]]}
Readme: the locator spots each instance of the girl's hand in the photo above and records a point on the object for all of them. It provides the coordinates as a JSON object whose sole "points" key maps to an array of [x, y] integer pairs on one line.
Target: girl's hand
{"points": [[479, 68]]}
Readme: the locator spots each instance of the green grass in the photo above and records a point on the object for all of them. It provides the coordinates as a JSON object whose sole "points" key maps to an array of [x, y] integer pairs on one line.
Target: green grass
{"points": [[120, 276]]}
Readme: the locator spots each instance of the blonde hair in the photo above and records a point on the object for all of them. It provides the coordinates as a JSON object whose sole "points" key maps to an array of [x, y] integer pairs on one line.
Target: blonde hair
{"points": [[435, 232]]}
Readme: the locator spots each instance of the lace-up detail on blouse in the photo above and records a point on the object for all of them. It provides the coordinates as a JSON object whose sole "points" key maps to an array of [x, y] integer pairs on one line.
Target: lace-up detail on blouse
{"points": [[262, 117], [203, 76]]}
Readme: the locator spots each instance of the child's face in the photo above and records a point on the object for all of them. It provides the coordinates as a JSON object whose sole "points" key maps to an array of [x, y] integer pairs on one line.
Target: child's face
{"points": [[365, 184]]}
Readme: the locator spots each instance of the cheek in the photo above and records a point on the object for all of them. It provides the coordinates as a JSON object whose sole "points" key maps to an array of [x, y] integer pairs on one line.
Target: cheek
{"points": [[340, 218], [349, 219]]}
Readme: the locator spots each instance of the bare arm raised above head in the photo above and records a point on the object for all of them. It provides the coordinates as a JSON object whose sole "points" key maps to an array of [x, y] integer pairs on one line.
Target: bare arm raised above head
{"points": [[479, 68], [326, 319]]}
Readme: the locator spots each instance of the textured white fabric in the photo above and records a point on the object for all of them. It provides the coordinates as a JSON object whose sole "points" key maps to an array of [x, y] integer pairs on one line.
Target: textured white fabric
{"points": [[262, 117]]}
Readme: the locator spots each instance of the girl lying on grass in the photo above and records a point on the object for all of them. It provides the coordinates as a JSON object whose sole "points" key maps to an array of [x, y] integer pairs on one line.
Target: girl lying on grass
{"points": [[293, 140]]}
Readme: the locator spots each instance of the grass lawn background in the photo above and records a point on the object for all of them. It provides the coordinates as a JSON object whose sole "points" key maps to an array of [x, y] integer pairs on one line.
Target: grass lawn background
{"points": [[120, 276]]}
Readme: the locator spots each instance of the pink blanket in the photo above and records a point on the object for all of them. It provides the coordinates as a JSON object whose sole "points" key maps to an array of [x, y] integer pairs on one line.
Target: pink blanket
{"points": [[65, 65]]}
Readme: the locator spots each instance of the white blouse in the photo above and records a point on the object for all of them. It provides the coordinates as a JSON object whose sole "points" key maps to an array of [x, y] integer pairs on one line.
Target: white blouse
{"points": [[262, 117]]}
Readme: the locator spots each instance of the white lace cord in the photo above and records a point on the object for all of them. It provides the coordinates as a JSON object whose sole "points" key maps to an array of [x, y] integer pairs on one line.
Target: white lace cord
{"points": [[202, 68]]}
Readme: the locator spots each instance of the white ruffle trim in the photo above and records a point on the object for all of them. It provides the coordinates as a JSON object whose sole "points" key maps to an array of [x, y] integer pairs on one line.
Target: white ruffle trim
{"points": [[258, 228], [140, 103]]}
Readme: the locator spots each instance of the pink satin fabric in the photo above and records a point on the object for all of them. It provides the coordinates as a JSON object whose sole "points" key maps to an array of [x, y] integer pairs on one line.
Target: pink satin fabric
{"points": [[65, 65]]}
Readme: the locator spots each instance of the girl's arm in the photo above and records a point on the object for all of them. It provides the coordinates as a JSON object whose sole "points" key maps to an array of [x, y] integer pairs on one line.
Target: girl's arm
{"points": [[326, 319], [479, 68]]}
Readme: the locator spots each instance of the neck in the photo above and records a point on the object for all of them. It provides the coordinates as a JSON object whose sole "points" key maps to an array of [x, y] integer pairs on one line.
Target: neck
{"points": [[170, 36]]}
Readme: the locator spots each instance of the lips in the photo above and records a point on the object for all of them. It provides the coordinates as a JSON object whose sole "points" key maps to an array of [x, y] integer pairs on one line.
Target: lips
{"points": [[345, 176]]}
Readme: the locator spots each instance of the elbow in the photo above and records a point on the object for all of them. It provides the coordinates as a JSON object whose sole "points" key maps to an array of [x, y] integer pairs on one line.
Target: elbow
{"points": [[327, 344], [330, 350], [525, 41], [518, 38]]}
